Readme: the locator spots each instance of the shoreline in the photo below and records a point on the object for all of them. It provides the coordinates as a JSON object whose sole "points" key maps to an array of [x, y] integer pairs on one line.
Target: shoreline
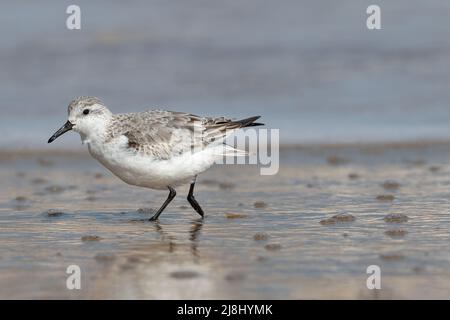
{"points": [[411, 145]]}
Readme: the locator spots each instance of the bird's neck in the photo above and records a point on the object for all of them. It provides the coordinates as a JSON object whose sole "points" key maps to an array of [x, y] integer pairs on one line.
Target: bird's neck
{"points": [[96, 134]]}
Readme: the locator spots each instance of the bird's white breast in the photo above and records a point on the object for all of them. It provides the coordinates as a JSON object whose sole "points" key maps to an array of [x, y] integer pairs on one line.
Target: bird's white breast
{"points": [[145, 170]]}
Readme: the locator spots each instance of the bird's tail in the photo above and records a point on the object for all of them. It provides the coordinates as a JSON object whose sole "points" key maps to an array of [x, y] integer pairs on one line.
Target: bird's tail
{"points": [[248, 122]]}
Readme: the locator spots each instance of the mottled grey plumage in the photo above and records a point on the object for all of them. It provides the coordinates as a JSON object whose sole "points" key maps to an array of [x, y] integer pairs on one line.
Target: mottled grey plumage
{"points": [[164, 134], [83, 102]]}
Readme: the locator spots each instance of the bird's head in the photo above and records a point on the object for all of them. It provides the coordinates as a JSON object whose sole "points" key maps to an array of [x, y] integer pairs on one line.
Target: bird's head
{"points": [[87, 116]]}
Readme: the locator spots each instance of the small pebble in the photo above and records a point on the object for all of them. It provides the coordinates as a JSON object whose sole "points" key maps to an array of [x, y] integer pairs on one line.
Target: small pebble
{"points": [[353, 176], [392, 257], [396, 218], [98, 175], [385, 197], [21, 199], [336, 160], [226, 185], [235, 215], [396, 233], [391, 185], [184, 274], [54, 213], [90, 238], [339, 218], [260, 236], [272, 247], [260, 204]]}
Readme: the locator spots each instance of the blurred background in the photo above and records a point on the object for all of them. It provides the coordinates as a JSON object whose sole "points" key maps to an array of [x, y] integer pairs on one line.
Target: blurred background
{"points": [[310, 68]]}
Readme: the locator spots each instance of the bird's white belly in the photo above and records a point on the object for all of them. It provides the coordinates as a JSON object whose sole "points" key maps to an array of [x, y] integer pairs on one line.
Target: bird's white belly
{"points": [[146, 171]]}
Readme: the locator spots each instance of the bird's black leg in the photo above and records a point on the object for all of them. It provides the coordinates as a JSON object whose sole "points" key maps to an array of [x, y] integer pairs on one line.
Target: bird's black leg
{"points": [[192, 200], [172, 195]]}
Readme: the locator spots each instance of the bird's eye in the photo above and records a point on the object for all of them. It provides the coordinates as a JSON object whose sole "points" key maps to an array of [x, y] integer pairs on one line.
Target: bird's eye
{"points": [[86, 111]]}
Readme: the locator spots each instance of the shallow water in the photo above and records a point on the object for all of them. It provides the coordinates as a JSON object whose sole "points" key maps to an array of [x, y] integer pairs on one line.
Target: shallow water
{"points": [[281, 247]]}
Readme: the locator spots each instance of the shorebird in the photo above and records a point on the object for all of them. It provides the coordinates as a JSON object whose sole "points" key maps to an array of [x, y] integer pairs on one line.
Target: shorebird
{"points": [[155, 149]]}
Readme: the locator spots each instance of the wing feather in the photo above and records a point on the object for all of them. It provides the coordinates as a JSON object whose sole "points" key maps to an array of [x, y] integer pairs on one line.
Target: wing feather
{"points": [[164, 134]]}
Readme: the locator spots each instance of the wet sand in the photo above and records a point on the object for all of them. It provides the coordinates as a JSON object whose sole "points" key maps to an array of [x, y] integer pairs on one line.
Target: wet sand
{"points": [[309, 232]]}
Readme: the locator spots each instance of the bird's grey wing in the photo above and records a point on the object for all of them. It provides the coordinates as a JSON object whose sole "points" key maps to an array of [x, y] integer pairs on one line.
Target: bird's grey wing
{"points": [[161, 134], [164, 134]]}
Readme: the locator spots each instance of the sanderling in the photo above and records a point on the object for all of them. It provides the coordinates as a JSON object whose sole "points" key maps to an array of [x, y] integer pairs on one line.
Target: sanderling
{"points": [[155, 149]]}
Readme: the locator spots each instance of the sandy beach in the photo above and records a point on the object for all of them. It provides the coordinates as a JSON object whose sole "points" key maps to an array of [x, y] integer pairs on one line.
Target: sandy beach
{"points": [[308, 232]]}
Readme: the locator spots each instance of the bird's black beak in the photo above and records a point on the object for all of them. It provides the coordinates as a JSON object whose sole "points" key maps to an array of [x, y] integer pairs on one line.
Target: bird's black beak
{"points": [[66, 127]]}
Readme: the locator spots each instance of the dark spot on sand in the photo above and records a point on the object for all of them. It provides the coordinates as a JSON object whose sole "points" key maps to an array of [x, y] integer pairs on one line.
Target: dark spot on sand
{"points": [[337, 160], [236, 215], [183, 207], [416, 162], [396, 218], [105, 257], [45, 162], [210, 182], [53, 213], [20, 174], [418, 269], [260, 236], [55, 189], [353, 176], [392, 257], [126, 267], [434, 169], [145, 210], [385, 197], [339, 218], [260, 204], [273, 247], [90, 238], [184, 274], [396, 233], [21, 199], [38, 181], [133, 259], [261, 258], [226, 185], [91, 198], [98, 175], [391, 185], [235, 277]]}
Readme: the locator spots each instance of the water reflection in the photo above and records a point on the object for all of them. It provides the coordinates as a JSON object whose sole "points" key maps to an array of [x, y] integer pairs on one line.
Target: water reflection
{"points": [[194, 232]]}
